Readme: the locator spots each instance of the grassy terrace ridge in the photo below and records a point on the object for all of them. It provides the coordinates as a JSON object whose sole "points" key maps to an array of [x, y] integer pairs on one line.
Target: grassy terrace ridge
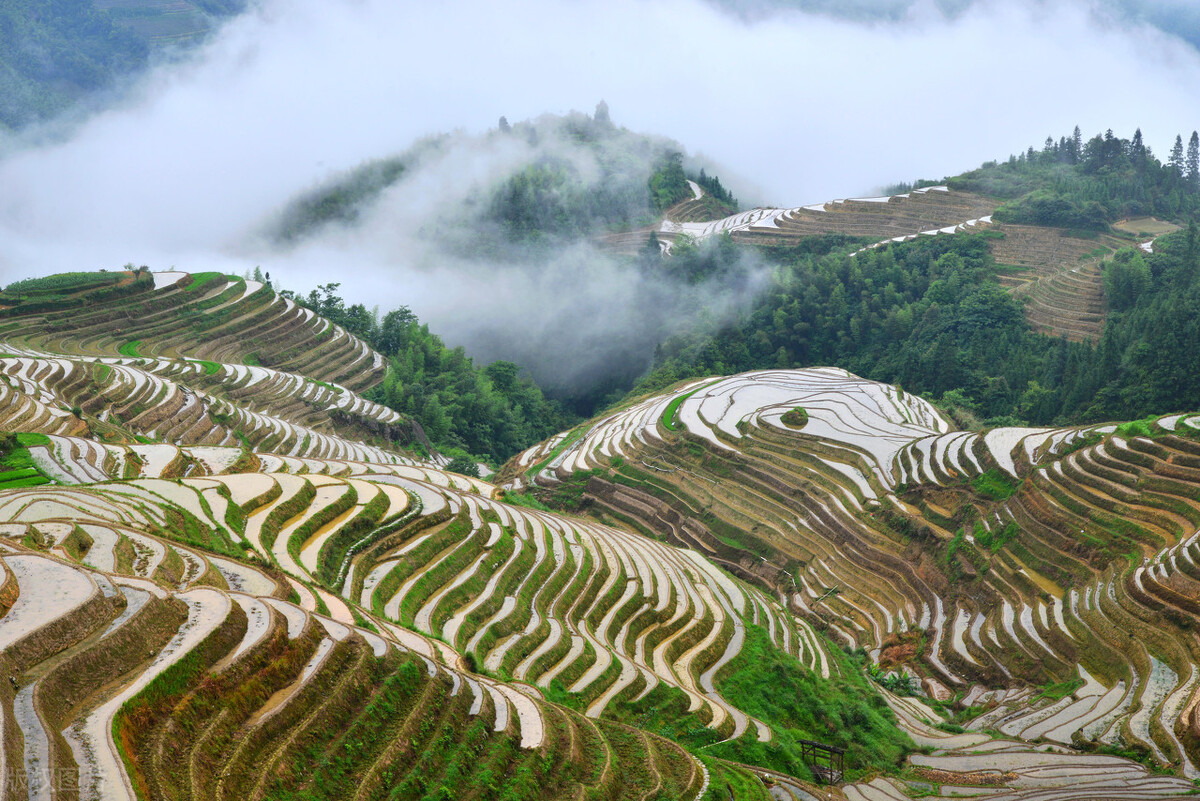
{"points": [[668, 416], [63, 282]]}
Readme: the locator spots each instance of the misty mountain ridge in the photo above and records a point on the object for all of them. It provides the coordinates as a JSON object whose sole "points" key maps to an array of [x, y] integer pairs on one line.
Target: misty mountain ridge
{"points": [[535, 185], [527, 210]]}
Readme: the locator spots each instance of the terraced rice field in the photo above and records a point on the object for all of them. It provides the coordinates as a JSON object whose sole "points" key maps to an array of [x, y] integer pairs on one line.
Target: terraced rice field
{"points": [[421, 567], [1024, 558], [239, 585], [179, 362], [1060, 276], [250, 610], [1058, 272], [923, 211]]}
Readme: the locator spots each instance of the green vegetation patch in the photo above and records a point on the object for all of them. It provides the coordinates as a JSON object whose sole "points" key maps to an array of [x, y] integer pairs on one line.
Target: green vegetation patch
{"points": [[63, 282], [1056, 692], [210, 368], [16, 462], [200, 280], [995, 485], [1140, 428], [668, 418], [796, 418], [130, 349], [995, 540], [526, 500], [845, 711], [798, 704], [22, 477]]}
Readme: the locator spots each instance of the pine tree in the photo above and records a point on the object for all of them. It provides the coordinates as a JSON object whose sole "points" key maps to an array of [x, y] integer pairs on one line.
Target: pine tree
{"points": [[1137, 148], [1193, 161], [1076, 145], [601, 115], [1175, 161]]}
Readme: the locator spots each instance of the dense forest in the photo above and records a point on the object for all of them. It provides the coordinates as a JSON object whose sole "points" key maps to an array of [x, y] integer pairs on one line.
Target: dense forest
{"points": [[490, 412], [930, 316], [52, 54], [1071, 183]]}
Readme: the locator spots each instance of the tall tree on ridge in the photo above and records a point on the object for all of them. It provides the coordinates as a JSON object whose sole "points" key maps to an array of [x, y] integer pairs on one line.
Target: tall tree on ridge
{"points": [[1193, 161], [1175, 161]]}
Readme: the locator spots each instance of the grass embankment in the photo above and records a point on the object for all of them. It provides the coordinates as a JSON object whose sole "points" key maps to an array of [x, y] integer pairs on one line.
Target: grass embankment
{"points": [[796, 418], [794, 701], [994, 485], [63, 282], [668, 417], [200, 280], [16, 465], [210, 368]]}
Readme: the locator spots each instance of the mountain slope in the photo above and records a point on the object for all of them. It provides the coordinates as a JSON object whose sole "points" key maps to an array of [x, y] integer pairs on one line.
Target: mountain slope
{"points": [[995, 566], [256, 614], [182, 359]]}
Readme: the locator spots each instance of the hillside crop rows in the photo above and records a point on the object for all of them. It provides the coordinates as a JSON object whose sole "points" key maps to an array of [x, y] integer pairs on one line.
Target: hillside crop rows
{"points": [[922, 211], [236, 565], [986, 566], [205, 692], [178, 360], [223, 579], [1057, 271], [338, 611]]}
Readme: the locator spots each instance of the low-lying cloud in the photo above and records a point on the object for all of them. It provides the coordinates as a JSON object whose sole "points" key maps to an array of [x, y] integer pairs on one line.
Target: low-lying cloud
{"points": [[794, 106]]}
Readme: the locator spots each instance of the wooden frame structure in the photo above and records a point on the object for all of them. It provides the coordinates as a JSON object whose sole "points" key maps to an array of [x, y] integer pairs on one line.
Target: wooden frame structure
{"points": [[827, 762]]}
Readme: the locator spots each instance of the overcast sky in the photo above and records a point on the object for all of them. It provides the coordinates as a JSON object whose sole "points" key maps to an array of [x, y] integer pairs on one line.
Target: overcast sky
{"points": [[795, 106]]}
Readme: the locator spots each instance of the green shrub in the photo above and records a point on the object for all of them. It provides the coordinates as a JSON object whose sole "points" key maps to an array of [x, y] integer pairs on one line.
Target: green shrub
{"points": [[796, 418], [995, 485]]}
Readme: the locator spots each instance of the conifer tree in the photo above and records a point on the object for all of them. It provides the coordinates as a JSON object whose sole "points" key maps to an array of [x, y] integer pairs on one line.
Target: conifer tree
{"points": [[1193, 161], [1175, 161], [601, 115]]}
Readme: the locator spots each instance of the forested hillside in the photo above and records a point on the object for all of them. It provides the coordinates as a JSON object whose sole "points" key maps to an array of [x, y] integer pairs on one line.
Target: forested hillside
{"points": [[576, 176], [932, 315], [491, 411], [958, 318], [53, 55], [1072, 183]]}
